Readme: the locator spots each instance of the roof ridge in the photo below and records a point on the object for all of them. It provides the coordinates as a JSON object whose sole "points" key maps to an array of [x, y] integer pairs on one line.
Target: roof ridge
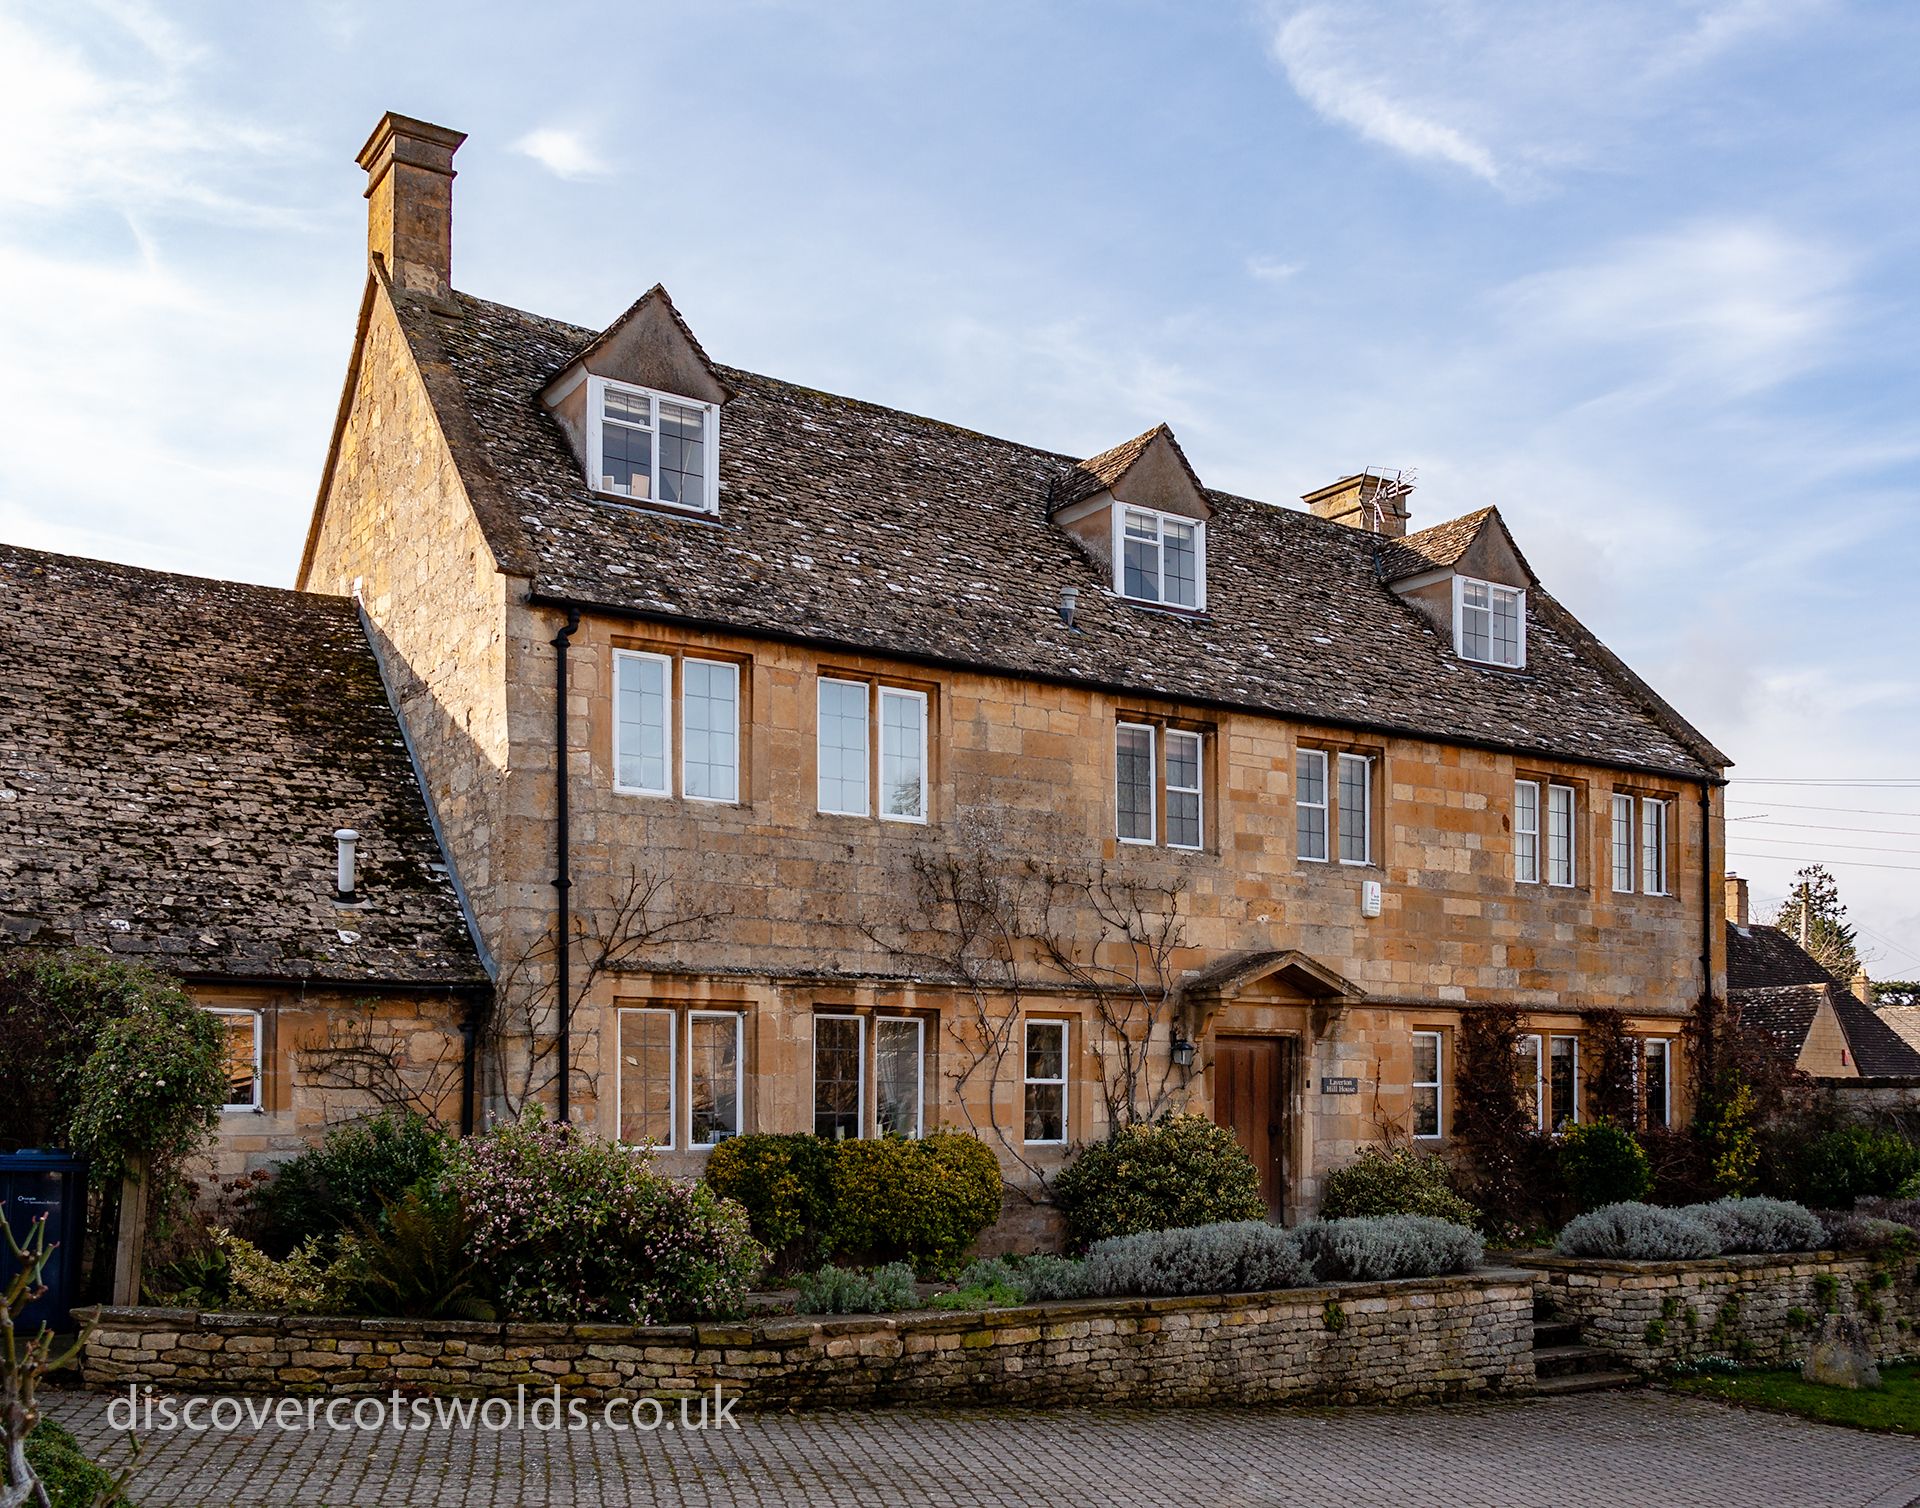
{"points": [[100, 562]]}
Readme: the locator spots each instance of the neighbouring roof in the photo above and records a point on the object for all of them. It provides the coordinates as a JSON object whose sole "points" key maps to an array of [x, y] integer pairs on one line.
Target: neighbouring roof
{"points": [[175, 755], [848, 523], [1775, 982]]}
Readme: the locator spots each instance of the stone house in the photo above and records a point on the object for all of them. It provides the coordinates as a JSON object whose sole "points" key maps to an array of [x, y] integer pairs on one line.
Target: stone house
{"points": [[1828, 1029], [882, 775], [177, 759]]}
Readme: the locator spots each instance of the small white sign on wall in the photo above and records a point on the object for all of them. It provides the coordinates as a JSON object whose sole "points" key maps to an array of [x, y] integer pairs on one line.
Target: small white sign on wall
{"points": [[1369, 897]]}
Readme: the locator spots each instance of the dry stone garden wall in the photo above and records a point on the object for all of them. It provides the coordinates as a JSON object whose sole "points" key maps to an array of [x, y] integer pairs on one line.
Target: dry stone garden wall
{"points": [[1754, 1309], [1345, 1343]]}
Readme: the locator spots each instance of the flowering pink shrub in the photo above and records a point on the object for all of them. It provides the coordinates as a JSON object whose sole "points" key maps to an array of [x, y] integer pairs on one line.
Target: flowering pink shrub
{"points": [[567, 1227]]}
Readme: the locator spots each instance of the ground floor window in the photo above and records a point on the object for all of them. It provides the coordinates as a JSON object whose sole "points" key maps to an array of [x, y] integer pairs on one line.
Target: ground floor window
{"points": [[240, 1048], [1428, 1109], [1046, 1082], [869, 1076], [654, 1043], [1655, 1089], [899, 1073], [839, 1079], [1530, 1071], [1563, 1083]]}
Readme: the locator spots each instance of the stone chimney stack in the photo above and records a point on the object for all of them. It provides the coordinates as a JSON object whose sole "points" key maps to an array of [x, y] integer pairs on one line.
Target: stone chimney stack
{"points": [[1862, 986], [1367, 500], [1736, 900], [410, 201]]}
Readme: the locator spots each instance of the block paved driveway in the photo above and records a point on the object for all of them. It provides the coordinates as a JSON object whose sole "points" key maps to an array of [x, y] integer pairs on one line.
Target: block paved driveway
{"points": [[1609, 1449]]}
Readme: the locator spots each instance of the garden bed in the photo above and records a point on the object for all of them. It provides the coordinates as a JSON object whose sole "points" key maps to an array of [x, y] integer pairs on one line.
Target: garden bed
{"points": [[1756, 1310], [1423, 1338]]}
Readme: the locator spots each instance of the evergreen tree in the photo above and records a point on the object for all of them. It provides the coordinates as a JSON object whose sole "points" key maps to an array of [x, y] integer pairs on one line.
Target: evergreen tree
{"points": [[1814, 916]]}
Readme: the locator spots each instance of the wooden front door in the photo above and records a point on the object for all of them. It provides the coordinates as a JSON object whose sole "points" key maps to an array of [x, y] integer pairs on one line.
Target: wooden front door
{"points": [[1252, 1096]]}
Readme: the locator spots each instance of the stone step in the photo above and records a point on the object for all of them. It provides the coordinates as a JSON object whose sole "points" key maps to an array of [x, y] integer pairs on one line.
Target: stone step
{"points": [[1562, 1361], [1586, 1382], [1555, 1333]]}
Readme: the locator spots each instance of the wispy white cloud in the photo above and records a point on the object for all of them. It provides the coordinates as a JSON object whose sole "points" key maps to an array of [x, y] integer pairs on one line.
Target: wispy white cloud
{"points": [[1740, 305], [1509, 90], [1272, 269], [563, 152]]}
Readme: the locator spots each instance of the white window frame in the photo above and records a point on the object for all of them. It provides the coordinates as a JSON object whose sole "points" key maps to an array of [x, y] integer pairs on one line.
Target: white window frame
{"points": [[1622, 843], [1654, 879], [597, 389], [1573, 1115], [1665, 1044], [1573, 837], [673, 1072], [1365, 761], [860, 1055], [739, 1019], [866, 743], [1160, 520], [732, 666], [1530, 848], [1064, 1082], [669, 681], [1494, 591], [259, 1033], [1324, 806], [1539, 1044], [1437, 1084], [1153, 784], [879, 799], [919, 1067], [1197, 790]]}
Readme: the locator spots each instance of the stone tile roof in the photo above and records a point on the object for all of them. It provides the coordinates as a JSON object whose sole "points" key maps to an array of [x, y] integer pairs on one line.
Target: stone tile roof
{"points": [[847, 523], [1784, 1012], [1769, 973], [1432, 548], [175, 754], [1101, 472]]}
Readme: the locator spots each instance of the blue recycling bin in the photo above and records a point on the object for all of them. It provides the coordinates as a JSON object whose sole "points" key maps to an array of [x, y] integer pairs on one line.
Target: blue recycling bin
{"points": [[53, 1184]]}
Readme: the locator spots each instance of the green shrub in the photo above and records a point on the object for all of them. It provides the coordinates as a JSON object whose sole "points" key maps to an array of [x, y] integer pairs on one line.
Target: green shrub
{"points": [[1853, 1162], [1374, 1249], [1394, 1181], [302, 1282], [1046, 1278], [1240, 1256], [1638, 1232], [785, 1184], [920, 1201], [568, 1227], [70, 1478], [847, 1290], [1853, 1231], [1601, 1164], [414, 1262], [1180, 1171], [357, 1171]]}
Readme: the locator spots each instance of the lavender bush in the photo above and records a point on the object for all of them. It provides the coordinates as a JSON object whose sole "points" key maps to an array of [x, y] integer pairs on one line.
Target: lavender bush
{"points": [[568, 1228]]}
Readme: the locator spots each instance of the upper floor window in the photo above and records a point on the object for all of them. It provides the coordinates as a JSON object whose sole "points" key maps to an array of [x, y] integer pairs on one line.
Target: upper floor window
{"points": [[1649, 831], [1489, 622], [653, 447], [1162, 558], [848, 713], [1145, 787], [643, 731], [1559, 833], [1345, 810]]}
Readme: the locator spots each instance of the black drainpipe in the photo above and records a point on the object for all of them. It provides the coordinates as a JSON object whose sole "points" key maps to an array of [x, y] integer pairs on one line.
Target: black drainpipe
{"points": [[562, 881], [469, 1047]]}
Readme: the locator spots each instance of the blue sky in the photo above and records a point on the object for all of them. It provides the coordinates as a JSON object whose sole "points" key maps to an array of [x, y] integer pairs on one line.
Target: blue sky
{"points": [[1641, 274]]}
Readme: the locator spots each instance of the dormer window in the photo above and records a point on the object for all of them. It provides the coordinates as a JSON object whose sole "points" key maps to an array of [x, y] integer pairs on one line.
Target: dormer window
{"points": [[1163, 557], [1489, 622], [653, 447]]}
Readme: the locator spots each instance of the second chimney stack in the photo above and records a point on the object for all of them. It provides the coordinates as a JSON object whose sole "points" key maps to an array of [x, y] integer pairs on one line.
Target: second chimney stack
{"points": [[409, 167], [1365, 500]]}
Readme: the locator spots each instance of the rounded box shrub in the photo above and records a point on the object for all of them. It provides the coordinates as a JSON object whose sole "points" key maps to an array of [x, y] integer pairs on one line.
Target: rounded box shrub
{"points": [[1180, 1171], [355, 1173], [920, 1201], [785, 1184], [1853, 1162], [567, 1227], [1394, 1181], [1601, 1164], [1638, 1233]]}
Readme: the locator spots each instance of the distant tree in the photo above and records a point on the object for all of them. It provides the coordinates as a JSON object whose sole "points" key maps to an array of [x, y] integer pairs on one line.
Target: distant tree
{"points": [[1896, 992], [1814, 915]]}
